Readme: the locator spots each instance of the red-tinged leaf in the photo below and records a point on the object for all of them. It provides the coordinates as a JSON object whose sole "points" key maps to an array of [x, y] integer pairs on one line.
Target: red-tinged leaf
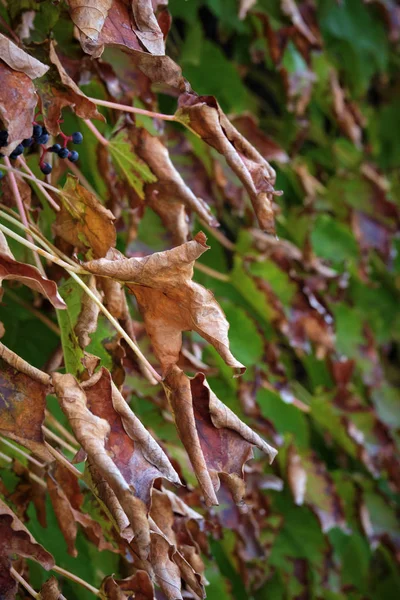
{"points": [[16, 539], [138, 586], [216, 440], [28, 275], [22, 409], [18, 100]]}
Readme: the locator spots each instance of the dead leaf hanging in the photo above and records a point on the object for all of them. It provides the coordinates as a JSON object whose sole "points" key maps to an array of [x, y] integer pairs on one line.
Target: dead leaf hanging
{"points": [[169, 300], [19, 60], [217, 441], [204, 116]]}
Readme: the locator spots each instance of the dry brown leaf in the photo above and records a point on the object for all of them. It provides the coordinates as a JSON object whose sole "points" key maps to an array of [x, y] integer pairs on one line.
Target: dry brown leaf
{"points": [[89, 16], [290, 8], [21, 365], [138, 586], [18, 100], [147, 28], [217, 441], [50, 590], [92, 432], [16, 539], [169, 300], [30, 276], [19, 60], [84, 222], [169, 194], [57, 90], [297, 476], [22, 409], [87, 320], [348, 122], [8, 585], [248, 126], [204, 116]]}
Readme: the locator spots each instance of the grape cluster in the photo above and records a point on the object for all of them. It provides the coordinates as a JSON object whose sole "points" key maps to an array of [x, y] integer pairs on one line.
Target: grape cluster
{"points": [[40, 137]]}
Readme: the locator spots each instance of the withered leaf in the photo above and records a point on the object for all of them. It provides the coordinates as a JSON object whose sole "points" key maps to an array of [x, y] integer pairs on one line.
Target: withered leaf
{"points": [[8, 585], [136, 454], [28, 275], [89, 17], [57, 90], [87, 320], [349, 121], [169, 300], [92, 433], [19, 60], [217, 441], [16, 539], [138, 586], [50, 590], [290, 8], [85, 222], [18, 100], [22, 409], [170, 193], [147, 28], [204, 116]]}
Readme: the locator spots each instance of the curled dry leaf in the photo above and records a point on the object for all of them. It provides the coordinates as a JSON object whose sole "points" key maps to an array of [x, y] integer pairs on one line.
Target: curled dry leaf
{"points": [[50, 590], [16, 539], [57, 90], [138, 586], [169, 194], [19, 60], [169, 300], [147, 28], [89, 16], [92, 433], [22, 409], [348, 121], [18, 100], [28, 275], [204, 116], [83, 221], [87, 320], [217, 441], [67, 499], [290, 8]]}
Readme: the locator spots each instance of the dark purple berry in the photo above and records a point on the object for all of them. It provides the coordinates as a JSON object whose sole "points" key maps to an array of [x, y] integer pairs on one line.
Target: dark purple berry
{"points": [[73, 156], [63, 153], [27, 142], [55, 148], [77, 137], [37, 131], [43, 139], [17, 151], [3, 138], [46, 168]]}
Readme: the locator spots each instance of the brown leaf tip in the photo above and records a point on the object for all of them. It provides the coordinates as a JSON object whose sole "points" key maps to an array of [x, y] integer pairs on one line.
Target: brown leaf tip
{"points": [[201, 239]]}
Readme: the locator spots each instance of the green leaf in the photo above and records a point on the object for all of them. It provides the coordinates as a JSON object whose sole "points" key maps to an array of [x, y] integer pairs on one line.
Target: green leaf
{"points": [[71, 293], [128, 164]]}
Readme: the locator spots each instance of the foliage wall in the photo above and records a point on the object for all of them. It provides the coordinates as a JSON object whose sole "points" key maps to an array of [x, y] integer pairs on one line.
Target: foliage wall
{"points": [[301, 260]]}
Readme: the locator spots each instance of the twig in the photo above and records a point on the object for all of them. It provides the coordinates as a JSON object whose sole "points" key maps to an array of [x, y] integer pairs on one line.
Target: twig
{"points": [[59, 440], [61, 458], [21, 210], [211, 272], [39, 183], [96, 133], [22, 452], [120, 330], [48, 322], [133, 109], [24, 583], [53, 421], [75, 578], [5, 457]]}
